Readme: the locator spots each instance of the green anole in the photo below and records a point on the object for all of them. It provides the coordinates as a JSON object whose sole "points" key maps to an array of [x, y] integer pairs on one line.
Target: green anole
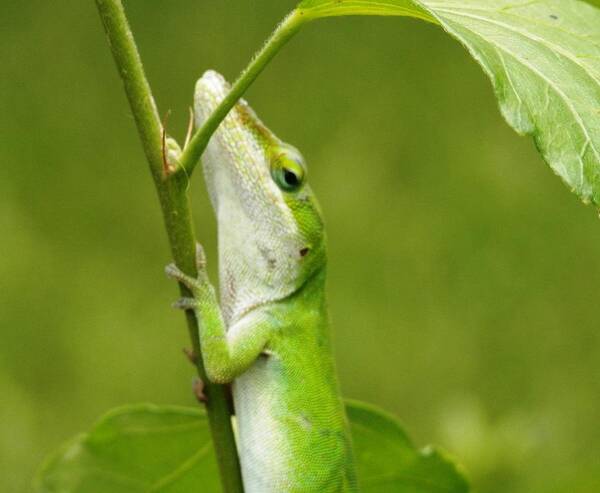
{"points": [[269, 335]]}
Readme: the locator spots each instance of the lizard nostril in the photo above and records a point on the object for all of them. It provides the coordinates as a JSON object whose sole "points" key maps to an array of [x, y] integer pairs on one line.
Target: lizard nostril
{"points": [[304, 251]]}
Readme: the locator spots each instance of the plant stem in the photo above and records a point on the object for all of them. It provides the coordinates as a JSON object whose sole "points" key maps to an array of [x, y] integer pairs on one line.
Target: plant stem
{"points": [[174, 201], [284, 32]]}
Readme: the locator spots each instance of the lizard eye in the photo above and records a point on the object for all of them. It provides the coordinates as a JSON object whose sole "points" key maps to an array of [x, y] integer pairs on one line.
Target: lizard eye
{"points": [[288, 169]]}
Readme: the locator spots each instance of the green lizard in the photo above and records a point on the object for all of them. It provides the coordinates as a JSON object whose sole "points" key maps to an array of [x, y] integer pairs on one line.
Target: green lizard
{"points": [[270, 333]]}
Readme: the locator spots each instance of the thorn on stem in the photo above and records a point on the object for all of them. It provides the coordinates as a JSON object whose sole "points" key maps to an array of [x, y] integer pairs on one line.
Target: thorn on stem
{"points": [[198, 388], [191, 355]]}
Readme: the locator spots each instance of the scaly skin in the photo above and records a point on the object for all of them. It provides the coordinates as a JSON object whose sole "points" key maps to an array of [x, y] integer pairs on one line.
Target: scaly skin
{"points": [[270, 333]]}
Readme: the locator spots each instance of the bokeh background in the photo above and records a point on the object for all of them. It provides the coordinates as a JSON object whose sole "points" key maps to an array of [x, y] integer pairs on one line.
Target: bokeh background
{"points": [[463, 275]]}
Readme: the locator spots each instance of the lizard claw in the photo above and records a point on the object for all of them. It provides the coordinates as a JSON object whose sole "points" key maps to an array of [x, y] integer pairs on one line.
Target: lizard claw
{"points": [[200, 258], [176, 273], [186, 303]]}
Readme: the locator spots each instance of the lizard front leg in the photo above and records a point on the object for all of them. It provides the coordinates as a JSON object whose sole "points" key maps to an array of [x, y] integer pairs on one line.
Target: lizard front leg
{"points": [[226, 353]]}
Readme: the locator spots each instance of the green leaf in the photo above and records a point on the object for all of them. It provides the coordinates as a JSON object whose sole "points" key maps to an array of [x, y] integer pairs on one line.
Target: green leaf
{"points": [[137, 448], [328, 8], [387, 462], [146, 448], [543, 58]]}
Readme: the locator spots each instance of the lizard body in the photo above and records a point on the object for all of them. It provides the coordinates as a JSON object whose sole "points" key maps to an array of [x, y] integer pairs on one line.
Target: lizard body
{"points": [[269, 334]]}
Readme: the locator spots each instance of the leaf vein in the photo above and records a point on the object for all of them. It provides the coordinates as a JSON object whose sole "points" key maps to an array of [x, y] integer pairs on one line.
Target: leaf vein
{"points": [[387, 478], [454, 8], [180, 470], [133, 430], [544, 42], [554, 87]]}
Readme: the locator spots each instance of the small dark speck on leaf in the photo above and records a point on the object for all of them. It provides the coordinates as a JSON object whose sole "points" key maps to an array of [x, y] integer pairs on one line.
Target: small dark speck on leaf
{"points": [[304, 251], [555, 17]]}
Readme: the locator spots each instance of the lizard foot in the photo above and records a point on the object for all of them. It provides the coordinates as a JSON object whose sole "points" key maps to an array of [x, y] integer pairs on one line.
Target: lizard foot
{"points": [[176, 273], [193, 284]]}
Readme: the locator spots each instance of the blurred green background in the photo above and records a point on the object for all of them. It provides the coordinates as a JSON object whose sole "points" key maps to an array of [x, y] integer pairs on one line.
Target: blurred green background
{"points": [[463, 275]]}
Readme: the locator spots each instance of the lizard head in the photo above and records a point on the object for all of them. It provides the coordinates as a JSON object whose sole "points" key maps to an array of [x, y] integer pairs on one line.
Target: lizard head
{"points": [[270, 230]]}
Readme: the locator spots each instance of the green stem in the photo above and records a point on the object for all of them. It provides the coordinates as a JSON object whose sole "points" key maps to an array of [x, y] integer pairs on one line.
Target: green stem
{"points": [[284, 32], [174, 201]]}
